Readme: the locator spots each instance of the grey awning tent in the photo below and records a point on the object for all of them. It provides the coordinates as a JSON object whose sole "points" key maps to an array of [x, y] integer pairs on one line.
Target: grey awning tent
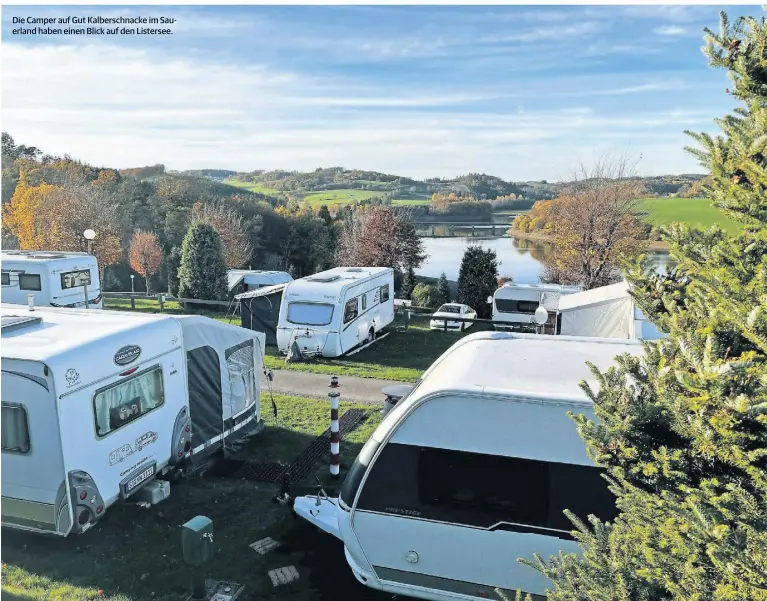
{"points": [[223, 365], [260, 310]]}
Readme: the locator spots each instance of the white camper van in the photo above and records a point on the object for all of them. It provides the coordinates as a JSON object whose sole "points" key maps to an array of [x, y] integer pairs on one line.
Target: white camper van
{"points": [[331, 312], [473, 469], [57, 279], [96, 404], [515, 305]]}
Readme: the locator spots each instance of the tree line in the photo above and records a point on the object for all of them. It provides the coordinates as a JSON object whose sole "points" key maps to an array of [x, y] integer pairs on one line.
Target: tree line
{"points": [[144, 214]]}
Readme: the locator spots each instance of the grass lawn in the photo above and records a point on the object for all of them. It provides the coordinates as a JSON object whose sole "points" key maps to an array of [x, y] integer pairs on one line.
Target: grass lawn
{"points": [[401, 356], [145, 305], [251, 187], [134, 554], [692, 211], [343, 196]]}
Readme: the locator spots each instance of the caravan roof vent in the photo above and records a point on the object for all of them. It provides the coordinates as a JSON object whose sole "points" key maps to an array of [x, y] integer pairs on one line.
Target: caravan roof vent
{"points": [[354, 269], [324, 278], [16, 322]]}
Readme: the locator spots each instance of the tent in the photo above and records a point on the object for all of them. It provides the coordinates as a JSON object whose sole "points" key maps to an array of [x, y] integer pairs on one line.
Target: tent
{"points": [[605, 312], [243, 280], [223, 364], [260, 310]]}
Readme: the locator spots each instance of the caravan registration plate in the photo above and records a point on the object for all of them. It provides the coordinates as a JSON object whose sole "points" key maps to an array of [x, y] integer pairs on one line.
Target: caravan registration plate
{"points": [[137, 480]]}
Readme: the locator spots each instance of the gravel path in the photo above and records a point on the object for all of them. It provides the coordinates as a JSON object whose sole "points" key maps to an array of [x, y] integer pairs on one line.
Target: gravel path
{"points": [[299, 383]]}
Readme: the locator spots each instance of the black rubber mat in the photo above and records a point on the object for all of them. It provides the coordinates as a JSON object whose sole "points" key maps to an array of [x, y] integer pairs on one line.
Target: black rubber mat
{"points": [[299, 468]]}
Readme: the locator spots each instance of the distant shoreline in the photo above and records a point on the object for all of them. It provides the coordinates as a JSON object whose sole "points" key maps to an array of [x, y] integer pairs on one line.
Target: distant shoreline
{"points": [[650, 245]]}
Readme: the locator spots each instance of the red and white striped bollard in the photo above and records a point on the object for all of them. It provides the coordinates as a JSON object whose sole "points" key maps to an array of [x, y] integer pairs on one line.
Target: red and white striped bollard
{"points": [[335, 433]]}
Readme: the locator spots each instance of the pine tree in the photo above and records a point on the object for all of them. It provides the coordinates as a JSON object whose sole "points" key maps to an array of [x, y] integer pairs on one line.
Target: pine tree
{"points": [[683, 430], [442, 293], [408, 284], [478, 279], [202, 274], [172, 265]]}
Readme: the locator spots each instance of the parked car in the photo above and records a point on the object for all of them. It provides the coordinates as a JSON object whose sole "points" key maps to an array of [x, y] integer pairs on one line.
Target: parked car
{"points": [[449, 310]]}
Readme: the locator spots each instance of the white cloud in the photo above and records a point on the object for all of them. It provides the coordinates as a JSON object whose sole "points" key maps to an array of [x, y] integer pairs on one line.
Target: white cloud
{"points": [[121, 107], [672, 30]]}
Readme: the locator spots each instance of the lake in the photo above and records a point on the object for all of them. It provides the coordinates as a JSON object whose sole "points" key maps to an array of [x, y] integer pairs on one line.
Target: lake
{"points": [[521, 260]]}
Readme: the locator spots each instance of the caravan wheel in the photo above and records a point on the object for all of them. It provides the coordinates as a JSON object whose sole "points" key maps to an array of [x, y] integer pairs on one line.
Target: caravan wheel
{"points": [[371, 336]]}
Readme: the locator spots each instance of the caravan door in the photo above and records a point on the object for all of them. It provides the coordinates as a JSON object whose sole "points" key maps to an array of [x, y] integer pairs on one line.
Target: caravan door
{"points": [[34, 492]]}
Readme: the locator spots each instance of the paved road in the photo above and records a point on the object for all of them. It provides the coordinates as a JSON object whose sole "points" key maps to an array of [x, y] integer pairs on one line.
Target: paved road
{"points": [[299, 383]]}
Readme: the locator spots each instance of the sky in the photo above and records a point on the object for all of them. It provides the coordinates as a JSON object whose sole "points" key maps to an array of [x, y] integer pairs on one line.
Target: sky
{"points": [[520, 92]]}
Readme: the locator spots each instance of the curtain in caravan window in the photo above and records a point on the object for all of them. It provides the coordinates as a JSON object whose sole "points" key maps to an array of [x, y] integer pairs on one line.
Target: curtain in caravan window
{"points": [[128, 400], [241, 366], [15, 430]]}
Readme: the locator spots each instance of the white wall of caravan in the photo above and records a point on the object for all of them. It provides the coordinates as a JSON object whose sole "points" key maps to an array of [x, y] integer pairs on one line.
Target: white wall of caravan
{"points": [[497, 426], [81, 373]]}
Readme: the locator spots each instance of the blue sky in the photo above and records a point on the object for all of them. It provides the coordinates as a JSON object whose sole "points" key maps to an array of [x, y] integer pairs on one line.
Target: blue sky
{"points": [[520, 92]]}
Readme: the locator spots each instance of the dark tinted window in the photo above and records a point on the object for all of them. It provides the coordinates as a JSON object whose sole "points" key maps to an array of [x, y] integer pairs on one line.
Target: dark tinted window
{"points": [[357, 472], [29, 281], [6, 281], [350, 311], [364, 301], [508, 305], [484, 491], [384, 293]]}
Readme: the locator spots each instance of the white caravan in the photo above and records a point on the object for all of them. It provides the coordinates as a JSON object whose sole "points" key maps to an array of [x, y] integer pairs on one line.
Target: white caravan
{"points": [[243, 280], [331, 312], [57, 279], [608, 312], [515, 305], [473, 469], [96, 404]]}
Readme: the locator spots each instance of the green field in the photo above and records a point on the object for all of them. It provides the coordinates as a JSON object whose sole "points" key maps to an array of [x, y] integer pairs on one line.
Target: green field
{"points": [[691, 211], [341, 197], [411, 202], [251, 187], [134, 554]]}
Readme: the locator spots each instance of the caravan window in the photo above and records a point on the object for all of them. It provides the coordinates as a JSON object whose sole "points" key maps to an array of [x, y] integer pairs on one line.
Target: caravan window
{"points": [[241, 367], [30, 281], [75, 279], [509, 305], [482, 491], [364, 301], [129, 399], [15, 429], [384, 293], [310, 314], [6, 278], [350, 311]]}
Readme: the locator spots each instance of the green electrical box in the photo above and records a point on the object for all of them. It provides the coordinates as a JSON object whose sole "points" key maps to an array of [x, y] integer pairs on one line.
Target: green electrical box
{"points": [[197, 540]]}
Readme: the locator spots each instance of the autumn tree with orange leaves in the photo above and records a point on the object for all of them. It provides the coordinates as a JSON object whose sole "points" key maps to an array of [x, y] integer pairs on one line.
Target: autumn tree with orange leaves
{"points": [[48, 217], [145, 255]]}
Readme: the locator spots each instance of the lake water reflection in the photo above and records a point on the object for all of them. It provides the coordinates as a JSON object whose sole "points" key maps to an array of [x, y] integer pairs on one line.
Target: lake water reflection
{"points": [[520, 259]]}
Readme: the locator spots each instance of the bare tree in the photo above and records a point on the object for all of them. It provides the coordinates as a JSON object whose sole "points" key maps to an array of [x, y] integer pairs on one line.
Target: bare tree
{"points": [[595, 223], [228, 223]]}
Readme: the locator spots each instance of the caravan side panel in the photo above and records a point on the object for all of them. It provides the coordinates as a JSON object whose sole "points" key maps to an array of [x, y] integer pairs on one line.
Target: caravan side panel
{"points": [[33, 474]]}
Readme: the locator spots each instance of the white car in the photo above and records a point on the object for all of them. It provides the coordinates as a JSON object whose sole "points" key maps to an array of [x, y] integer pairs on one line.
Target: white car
{"points": [[452, 310]]}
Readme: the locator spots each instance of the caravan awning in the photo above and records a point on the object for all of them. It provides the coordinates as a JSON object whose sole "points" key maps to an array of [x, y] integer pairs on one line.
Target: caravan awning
{"points": [[266, 290]]}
